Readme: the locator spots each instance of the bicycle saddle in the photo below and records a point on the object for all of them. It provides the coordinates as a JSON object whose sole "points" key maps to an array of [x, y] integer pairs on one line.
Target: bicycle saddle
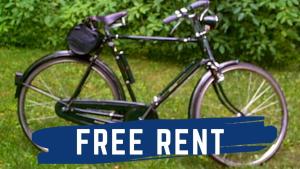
{"points": [[109, 19]]}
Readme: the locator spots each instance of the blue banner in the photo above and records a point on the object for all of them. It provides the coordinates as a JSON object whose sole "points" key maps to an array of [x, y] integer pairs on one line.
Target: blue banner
{"points": [[140, 140]]}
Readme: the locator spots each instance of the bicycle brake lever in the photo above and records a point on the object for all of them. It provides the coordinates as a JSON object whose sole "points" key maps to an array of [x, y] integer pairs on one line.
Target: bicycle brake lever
{"points": [[175, 27]]}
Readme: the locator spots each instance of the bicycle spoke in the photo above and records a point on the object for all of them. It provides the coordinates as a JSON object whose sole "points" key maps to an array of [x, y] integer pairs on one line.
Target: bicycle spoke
{"points": [[45, 84], [238, 86], [263, 103], [44, 93], [249, 88], [42, 118], [46, 105], [92, 96], [60, 87], [255, 97], [267, 106]]}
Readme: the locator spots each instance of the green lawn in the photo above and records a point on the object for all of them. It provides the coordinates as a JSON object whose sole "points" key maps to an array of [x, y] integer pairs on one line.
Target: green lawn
{"points": [[17, 152]]}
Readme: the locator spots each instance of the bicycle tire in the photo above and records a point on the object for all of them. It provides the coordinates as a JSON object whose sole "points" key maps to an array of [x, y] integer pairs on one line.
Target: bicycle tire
{"points": [[42, 69], [199, 107]]}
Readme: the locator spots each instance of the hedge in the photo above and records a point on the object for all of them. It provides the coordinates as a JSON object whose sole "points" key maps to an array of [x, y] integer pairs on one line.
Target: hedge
{"points": [[263, 31]]}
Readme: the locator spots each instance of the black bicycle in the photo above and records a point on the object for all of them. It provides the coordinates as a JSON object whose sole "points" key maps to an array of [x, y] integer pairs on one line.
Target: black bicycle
{"points": [[75, 86]]}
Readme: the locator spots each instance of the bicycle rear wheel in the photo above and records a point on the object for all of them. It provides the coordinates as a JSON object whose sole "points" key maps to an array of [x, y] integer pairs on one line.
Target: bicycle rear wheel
{"points": [[253, 92], [54, 81]]}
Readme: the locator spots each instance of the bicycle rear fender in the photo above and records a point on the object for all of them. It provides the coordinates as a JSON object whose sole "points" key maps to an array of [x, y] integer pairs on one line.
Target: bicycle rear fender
{"points": [[198, 89], [22, 77]]}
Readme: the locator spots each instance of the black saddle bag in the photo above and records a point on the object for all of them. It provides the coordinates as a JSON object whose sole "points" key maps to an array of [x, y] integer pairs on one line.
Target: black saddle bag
{"points": [[83, 40]]}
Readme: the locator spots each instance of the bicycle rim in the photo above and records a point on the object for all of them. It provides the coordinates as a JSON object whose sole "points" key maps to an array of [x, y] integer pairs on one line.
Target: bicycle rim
{"points": [[57, 80], [255, 93]]}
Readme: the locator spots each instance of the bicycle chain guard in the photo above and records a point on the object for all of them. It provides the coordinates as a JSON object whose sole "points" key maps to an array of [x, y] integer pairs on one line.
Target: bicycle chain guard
{"points": [[89, 112]]}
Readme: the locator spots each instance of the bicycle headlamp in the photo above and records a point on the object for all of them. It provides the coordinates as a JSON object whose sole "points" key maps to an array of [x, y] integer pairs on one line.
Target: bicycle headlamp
{"points": [[211, 20]]}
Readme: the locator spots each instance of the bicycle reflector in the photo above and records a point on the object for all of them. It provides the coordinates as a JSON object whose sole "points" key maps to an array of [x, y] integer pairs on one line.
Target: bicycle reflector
{"points": [[82, 39]]}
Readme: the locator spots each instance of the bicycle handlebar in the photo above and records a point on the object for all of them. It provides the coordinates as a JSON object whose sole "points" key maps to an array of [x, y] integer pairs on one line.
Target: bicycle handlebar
{"points": [[170, 19], [198, 4], [182, 13]]}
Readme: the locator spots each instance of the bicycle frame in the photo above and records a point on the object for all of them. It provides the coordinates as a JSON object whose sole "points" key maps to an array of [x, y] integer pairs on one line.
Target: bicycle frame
{"points": [[128, 78], [180, 79]]}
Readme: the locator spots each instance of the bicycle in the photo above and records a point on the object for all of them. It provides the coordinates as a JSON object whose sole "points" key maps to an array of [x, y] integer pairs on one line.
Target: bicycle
{"points": [[48, 94]]}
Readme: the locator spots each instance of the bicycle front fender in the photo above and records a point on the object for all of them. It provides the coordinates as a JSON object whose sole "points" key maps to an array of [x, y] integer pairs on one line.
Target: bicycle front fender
{"points": [[199, 87], [22, 77]]}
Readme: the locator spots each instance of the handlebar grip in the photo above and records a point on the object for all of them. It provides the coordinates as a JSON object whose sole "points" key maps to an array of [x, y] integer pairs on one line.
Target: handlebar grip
{"points": [[194, 5], [170, 19], [197, 4]]}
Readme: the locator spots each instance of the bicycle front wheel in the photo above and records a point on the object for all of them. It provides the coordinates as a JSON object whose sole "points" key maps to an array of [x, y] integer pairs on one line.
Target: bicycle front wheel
{"points": [[57, 80], [253, 92]]}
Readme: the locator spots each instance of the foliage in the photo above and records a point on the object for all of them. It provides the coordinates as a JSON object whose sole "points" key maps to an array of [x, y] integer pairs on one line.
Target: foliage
{"points": [[261, 30], [256, 30]]}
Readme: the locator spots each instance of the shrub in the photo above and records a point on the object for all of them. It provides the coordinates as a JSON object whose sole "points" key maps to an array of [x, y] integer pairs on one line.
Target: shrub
{"points": [[263, 31]]}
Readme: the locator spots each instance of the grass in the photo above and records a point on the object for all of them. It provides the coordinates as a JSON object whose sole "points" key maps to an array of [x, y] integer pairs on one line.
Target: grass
{"points": [[152, 76]]}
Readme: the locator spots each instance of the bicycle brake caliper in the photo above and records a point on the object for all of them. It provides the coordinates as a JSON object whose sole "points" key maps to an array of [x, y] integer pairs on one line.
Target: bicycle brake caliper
{"points": [[214, 67]]}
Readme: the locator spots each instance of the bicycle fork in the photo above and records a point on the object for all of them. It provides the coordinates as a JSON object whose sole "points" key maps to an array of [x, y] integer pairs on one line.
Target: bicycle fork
{"points": [[219, 77]]}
